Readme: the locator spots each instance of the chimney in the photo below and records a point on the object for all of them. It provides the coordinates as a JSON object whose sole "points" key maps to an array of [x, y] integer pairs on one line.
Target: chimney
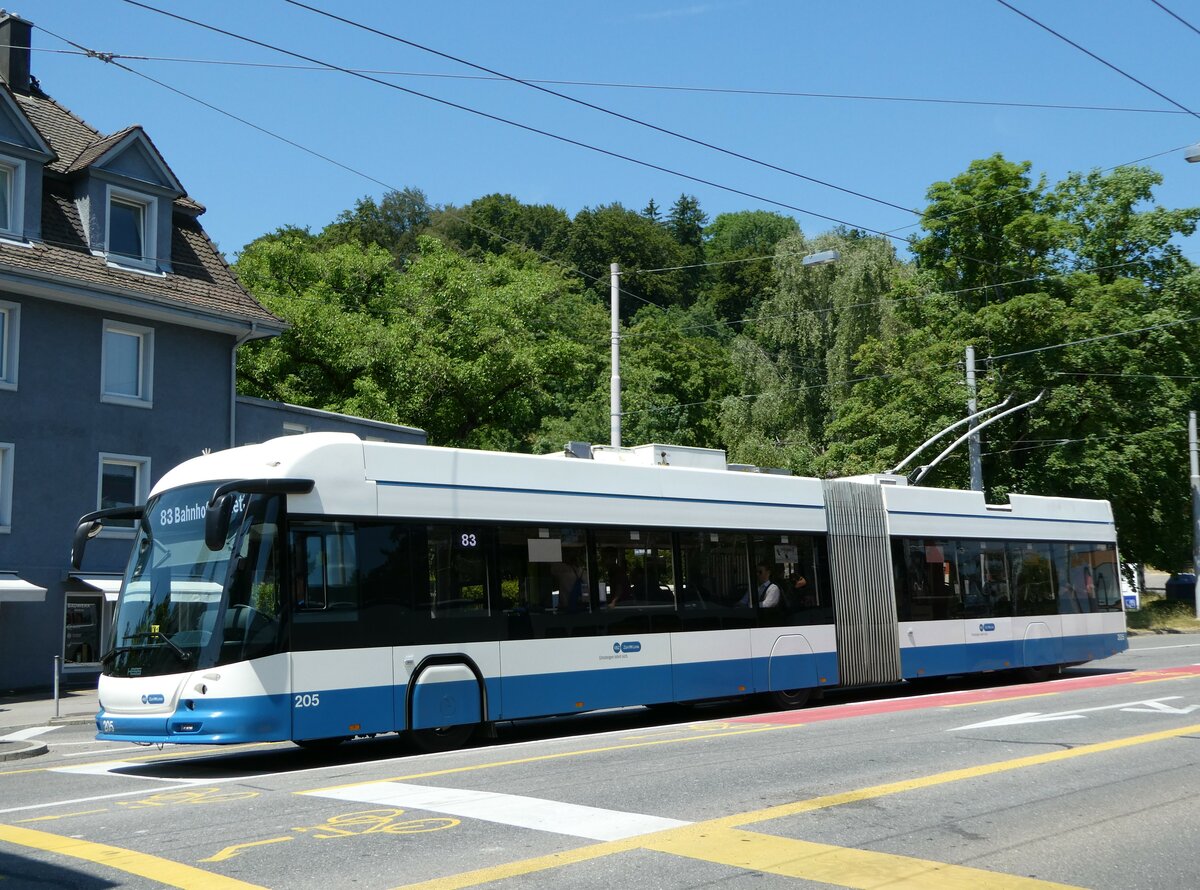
{"points": [[14, 51]]}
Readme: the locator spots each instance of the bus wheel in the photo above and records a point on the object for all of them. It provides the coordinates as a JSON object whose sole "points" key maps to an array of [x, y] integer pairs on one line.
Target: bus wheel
{"points": [[1040, 673], [442, 738], [321, 745], [789, 699]]}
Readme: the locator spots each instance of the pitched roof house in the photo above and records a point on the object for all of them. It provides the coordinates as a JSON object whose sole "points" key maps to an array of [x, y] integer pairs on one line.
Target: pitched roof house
{"points": [[119, 327]]}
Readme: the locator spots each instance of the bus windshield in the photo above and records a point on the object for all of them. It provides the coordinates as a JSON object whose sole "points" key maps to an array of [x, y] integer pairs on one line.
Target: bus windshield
{"points": [[174, 614]]}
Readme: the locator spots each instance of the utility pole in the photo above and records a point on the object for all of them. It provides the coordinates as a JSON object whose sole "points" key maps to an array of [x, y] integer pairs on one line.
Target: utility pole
{"points": [[1194, 451], [615, 383], [973, 443]]}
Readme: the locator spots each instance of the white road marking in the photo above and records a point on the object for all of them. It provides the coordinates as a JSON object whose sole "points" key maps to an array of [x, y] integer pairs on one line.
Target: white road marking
{"points": [[112, 767], [1039, 717], [78, 800], [22, 734], [508, 809]]}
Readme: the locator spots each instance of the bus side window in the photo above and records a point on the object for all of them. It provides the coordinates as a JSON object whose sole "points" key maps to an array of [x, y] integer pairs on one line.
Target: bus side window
{"points": [[458, 569]]}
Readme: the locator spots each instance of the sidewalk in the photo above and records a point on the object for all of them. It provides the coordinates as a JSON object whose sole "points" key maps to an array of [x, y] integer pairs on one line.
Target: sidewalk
{"points": [[26, 712]]}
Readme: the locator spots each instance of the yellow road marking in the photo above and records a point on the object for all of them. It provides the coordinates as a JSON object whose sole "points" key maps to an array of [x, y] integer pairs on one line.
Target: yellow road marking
{"points": [[856, 869], [559, 756], [236, 849], [164, 871], [63, 816], [840, 866]]}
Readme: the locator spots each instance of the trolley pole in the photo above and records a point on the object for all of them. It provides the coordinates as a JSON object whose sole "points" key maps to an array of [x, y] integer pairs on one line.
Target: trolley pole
{"points": [[615, 383], [973, 443], [1194, 453]]}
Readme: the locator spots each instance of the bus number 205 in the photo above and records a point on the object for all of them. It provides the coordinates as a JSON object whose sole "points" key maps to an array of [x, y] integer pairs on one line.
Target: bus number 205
{"points": [[308, 700]]}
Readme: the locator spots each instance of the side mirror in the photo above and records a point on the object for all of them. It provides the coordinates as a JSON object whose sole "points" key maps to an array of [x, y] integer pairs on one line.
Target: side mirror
{"points": [[216, 521], [84, 532], [91, 524]]}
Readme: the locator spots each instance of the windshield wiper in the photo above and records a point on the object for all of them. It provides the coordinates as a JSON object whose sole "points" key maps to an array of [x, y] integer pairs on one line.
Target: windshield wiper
{"points": [[183, 656], [113, 653]]}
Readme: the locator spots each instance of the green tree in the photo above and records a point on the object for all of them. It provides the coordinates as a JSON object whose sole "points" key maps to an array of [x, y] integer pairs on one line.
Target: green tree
{"points": [[393, 224], [741, 247], [612, 234], [988, 231], [796, 357], [1113, 233], [500, 223], [476, 352]]}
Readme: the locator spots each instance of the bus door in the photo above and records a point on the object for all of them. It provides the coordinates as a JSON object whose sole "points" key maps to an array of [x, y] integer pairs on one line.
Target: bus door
{"points": [[711, 655], [864, 598], [984, 591], [341, 670]]}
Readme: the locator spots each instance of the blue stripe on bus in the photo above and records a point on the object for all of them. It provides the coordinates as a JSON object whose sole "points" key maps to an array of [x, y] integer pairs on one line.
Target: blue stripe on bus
{"points": [[496, 489], [269, 717]]}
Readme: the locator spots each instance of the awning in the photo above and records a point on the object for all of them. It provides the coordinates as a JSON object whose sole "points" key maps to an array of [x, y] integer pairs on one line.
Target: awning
{"points": [[17, 590], [109, 585]]}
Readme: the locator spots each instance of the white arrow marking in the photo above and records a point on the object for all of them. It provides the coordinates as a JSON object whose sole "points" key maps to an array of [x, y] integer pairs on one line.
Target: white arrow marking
{"points": [[1157, 707], [1037, 717]]}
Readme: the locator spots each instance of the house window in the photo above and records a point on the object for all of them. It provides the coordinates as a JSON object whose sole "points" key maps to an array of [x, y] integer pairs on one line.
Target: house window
{"points": [[131, 229], [10, 325], [127, 364], [294, 429], [12, 181], [6, 485], [124, 482]]}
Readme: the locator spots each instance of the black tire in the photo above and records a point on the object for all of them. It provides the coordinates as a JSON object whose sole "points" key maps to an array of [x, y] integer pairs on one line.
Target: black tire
{"points": [[788, 699], [1041, 673], [321, 745], [442, 738]]}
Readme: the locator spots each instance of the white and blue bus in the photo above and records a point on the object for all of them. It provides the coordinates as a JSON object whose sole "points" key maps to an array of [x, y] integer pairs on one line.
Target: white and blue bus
{"points": [[318, 587]]}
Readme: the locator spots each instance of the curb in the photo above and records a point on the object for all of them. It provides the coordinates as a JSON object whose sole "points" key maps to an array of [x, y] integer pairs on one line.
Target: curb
{"points": [[22, 750]]}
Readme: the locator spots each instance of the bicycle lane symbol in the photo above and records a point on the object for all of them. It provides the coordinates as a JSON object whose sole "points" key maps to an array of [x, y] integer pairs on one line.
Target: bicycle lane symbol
{"points": [[355, 824]]}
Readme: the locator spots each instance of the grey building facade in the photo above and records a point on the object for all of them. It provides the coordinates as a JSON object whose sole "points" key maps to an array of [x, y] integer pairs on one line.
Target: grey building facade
{"points": [[119, 325]]}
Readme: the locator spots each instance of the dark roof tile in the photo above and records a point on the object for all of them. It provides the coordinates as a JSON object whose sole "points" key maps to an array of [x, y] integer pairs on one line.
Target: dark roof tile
{"points": [[200, 280]]}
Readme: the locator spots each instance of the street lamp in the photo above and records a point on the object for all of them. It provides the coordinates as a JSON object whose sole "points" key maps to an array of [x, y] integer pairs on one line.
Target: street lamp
{"points": [[1191, 154], [825, 257]]}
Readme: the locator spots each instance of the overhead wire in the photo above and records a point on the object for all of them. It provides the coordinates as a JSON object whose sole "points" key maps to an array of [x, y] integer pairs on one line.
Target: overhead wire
{"points": [[278, 66], [673, 407], [1176, 16], [509, 122], [1099, 59], [105, 57]]}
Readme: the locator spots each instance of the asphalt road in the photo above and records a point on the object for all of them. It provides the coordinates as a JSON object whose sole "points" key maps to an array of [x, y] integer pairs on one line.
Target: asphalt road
{"points": [[1087, 781]]}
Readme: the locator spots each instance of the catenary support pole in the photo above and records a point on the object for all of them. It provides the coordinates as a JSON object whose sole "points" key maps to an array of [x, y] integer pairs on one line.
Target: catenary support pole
{"points": [[57, 673], [615, 384], [1194, 454], [973, 443]]}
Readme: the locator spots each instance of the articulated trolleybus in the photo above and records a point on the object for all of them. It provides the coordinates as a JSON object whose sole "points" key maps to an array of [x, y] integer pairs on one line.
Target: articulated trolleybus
{"points": [[318, 587]]}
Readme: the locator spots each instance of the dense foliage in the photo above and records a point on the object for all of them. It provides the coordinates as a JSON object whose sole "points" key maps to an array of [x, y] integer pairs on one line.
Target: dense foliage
{"points": [[487, 325]]}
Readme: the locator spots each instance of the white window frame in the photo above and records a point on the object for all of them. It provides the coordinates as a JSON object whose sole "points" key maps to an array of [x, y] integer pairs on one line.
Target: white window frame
{"points": [[16, 199], [294, 429], [141, 486], [145, 396], [10, 351], [7, 456], [149, 204]]}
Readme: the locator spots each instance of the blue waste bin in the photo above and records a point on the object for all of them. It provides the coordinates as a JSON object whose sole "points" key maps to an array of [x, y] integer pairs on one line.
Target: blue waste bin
{"points": [[1182, 587]]}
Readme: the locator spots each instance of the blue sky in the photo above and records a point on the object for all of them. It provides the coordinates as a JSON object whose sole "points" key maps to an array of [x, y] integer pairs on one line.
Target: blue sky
{"points": [[968, 49]]}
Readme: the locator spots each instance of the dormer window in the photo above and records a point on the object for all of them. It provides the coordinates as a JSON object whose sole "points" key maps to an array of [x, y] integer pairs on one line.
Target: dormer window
{"points": [[132, 226], [12, 217]]}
